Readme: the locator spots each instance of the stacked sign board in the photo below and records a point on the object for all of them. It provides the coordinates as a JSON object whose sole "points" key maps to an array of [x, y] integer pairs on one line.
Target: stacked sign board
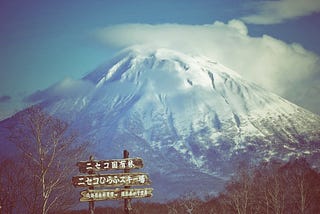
{"points": [[123, 181], [109, 194]]}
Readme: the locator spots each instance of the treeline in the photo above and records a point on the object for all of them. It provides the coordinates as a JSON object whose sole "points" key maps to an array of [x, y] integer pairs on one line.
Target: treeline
{"points": [[270, 188]]}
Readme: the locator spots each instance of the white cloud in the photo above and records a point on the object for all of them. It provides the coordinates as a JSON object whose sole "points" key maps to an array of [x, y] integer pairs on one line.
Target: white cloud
{"points": [[267, 61], [273, 12], [66, 88]]}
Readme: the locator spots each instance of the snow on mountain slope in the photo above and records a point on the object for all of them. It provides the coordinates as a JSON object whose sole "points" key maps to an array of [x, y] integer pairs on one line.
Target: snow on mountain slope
{"points": [[193, 93], [190, 118]]}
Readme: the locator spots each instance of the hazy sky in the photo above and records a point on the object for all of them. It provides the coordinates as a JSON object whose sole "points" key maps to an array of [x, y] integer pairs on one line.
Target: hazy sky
{"points": [[273, 43]]}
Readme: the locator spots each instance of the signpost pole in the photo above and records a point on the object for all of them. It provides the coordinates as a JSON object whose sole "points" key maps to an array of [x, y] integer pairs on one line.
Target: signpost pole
{"points": [[127, 202], [91, 203]]}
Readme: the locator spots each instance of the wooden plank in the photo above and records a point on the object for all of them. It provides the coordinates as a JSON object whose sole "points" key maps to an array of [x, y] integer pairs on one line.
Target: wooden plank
{"points": [[111, 180], [105, 165], [114, 194]]}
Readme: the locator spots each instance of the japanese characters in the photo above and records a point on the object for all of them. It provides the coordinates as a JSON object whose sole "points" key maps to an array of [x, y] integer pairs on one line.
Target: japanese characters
{"points": [[120, 179]]}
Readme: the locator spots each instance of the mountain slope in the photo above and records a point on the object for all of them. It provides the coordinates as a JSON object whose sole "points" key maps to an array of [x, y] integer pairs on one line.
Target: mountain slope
{"points": [[191, 119]]}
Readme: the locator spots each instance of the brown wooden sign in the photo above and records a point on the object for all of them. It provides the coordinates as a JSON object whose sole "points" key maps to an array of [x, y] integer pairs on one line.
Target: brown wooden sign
{"points": [[111, 180], [92, 179], [104, 165], [114, 194]]}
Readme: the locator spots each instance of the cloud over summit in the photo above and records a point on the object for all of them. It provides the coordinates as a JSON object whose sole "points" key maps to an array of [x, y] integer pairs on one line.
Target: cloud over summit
{"points": [[267, 61]]}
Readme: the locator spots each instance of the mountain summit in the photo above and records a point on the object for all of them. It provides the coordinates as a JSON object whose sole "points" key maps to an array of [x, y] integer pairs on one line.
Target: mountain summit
{"points": [[190, 118]]}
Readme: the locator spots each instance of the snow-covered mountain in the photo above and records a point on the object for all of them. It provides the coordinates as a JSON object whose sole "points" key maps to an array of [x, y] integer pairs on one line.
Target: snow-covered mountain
{"points": [[190, 118]]}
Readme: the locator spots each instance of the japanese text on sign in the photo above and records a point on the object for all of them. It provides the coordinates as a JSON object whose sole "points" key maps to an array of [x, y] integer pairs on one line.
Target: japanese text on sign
{"points": [[109, 194], [121, 179], [117, 164]]}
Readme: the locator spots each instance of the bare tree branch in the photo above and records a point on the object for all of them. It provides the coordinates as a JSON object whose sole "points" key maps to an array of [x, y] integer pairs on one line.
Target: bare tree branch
{"points": [[49, 154]]}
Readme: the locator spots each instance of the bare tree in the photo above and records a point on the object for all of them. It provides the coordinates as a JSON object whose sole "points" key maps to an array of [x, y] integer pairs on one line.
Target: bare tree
{"points": [[49, 153], [173, 207], [239, 192], [304, 185], [11, 177], [188, 203], [270, 188]]}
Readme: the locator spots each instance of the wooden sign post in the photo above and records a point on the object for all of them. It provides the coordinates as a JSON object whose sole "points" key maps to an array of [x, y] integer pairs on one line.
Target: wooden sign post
{"points": [[127, 202], [91, 203], [92, 179]]}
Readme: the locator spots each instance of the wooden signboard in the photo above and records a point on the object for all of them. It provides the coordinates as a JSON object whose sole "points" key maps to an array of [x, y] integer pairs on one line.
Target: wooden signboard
{"points": [[104, 165], [111, 180], [114, 194], [93, 179]]}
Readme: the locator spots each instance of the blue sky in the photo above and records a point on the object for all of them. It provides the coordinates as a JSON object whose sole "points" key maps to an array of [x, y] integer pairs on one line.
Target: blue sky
{"points": [[273, 43]]}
